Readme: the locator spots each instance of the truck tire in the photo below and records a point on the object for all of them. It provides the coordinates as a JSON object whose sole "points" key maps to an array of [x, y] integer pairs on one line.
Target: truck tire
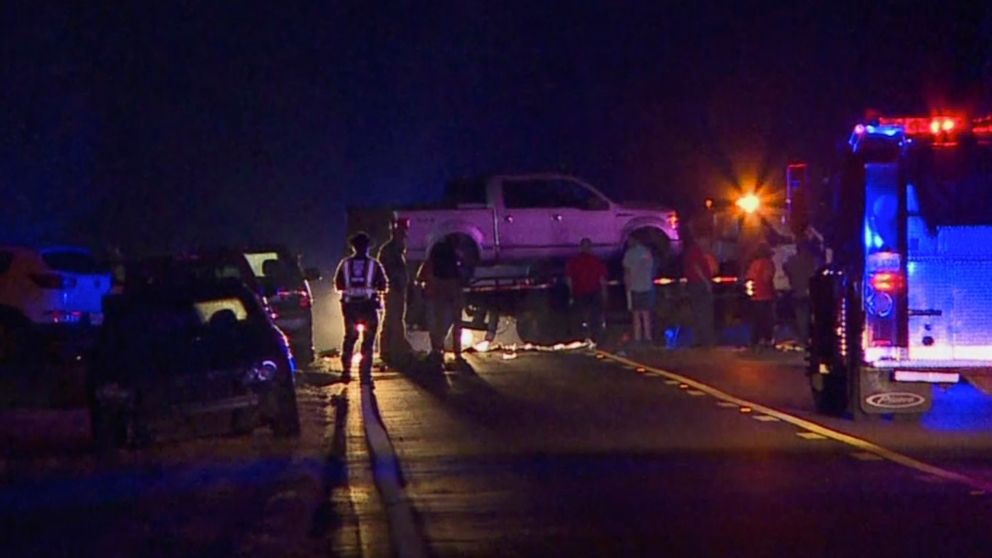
{"points": [[830, 390], [659, 244], [467, 251]]}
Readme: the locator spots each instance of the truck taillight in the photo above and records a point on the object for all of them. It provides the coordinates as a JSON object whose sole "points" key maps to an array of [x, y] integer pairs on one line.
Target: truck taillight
{"points": [[673, 220], [52, 281], [887, 282], [305, 301], [886, 289]]}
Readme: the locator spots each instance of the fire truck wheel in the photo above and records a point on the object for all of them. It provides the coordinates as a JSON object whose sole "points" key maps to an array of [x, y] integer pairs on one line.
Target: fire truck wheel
{"points": [[829, 391]]}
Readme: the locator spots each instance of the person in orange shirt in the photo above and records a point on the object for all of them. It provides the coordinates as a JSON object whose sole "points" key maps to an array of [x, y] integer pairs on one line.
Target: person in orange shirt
{"points": [[761, 277]]}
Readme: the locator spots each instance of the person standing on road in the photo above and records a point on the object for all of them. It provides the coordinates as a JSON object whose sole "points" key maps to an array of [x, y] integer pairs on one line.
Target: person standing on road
{"points": [[761, 280], [585, 275], [800, 268], [360, 279], [392, 256], [700, 267], [442, 279], [638, 279]]}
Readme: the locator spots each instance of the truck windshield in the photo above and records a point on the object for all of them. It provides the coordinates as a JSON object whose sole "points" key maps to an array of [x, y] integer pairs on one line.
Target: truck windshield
{"points": [[953, 184]]}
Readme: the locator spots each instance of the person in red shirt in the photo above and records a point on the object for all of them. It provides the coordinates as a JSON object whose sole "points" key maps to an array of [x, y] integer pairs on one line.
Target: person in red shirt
{"points": [[700, 266], [761, 277], [585, 275]]}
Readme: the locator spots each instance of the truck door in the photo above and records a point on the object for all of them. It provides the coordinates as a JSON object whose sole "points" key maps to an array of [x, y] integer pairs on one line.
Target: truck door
{"points": [[583, 213], [526, 225]]}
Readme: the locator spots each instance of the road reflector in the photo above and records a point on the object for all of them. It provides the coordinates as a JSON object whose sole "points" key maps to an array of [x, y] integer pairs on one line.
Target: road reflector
{"points": [[746, 409], [811, 436], [683, 386], [766, 418], [600, 356], [866, 456], [640, 370], [695, 392]]}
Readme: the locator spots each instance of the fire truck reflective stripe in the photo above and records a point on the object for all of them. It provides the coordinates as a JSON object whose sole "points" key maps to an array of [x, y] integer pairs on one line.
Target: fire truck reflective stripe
{"points": [[810, 426]]}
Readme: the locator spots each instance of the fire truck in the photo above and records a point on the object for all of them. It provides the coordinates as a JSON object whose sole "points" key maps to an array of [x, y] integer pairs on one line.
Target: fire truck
{"points": [[907, 302]]}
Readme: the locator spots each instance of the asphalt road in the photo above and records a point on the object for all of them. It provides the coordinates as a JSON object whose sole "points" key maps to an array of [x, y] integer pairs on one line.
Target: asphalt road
{"points": [[563, 454], [545, 454]]}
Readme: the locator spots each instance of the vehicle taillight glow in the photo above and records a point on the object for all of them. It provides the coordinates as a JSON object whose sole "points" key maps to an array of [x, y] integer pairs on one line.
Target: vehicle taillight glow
{"points": [[673, 220], [53, 281], [887, 282], [305, 301], [64, 317]]}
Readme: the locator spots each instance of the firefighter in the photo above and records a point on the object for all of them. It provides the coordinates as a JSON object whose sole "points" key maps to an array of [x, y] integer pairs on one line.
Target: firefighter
{"points": [[360, 279], [395, 347]]}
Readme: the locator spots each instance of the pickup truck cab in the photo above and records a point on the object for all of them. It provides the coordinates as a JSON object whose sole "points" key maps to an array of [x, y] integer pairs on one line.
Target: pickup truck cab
{"points": [[514, 218]]}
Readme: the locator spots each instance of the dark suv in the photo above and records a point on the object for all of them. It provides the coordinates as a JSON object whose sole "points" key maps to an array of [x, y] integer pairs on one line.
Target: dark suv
{"points": [[286, 288], [168, 355]]}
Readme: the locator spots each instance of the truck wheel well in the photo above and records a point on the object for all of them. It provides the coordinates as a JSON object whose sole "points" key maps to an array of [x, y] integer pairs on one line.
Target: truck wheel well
{"points": [[466, 248], [657, 241]]}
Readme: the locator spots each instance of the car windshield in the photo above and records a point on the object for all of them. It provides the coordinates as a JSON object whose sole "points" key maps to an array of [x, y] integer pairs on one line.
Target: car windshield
{"points": [[72, 261], [272, 267]]}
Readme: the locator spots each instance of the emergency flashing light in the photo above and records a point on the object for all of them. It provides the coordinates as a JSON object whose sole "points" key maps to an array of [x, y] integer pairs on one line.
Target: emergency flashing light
{"points": [[748, 203], [887, 282]]}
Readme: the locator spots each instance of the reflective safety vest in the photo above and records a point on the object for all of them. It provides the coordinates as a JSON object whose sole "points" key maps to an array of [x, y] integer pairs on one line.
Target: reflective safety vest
{"points": [[358, 276]]}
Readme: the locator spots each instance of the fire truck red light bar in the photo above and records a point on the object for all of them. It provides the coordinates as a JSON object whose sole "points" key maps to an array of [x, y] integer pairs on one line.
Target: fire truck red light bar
{"points": [[928, 377]]}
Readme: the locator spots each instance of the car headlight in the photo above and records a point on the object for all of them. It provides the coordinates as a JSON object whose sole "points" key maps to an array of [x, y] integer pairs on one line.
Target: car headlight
{"points": [[263, 371]]}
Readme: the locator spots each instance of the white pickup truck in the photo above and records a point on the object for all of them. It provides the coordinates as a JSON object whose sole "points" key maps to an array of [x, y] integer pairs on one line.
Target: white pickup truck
{"points": [[513, 218]]}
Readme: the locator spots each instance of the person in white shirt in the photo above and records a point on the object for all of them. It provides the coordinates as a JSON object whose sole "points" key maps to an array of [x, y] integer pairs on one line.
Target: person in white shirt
{"points": [[638, 279]]}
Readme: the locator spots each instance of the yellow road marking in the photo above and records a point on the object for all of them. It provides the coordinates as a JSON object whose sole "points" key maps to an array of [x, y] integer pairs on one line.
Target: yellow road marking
{"points": [[810, 426], [695, 392], [726, 404], [766, 418], [811, 436], [671, 382]]}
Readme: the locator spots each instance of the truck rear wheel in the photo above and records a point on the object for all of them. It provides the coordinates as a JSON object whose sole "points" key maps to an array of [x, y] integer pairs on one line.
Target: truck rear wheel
{"points": [[467, 251], [828, 376], [659, 244]]}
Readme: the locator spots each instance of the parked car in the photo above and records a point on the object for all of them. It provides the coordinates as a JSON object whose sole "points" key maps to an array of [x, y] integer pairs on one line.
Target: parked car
{"points": [[515, 218], [168, 355], [204, 266], [286, 287], [49, 292]]}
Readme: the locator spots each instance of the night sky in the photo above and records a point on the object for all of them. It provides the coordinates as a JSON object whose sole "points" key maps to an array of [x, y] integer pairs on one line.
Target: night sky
{"points": [[157, 126]]}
